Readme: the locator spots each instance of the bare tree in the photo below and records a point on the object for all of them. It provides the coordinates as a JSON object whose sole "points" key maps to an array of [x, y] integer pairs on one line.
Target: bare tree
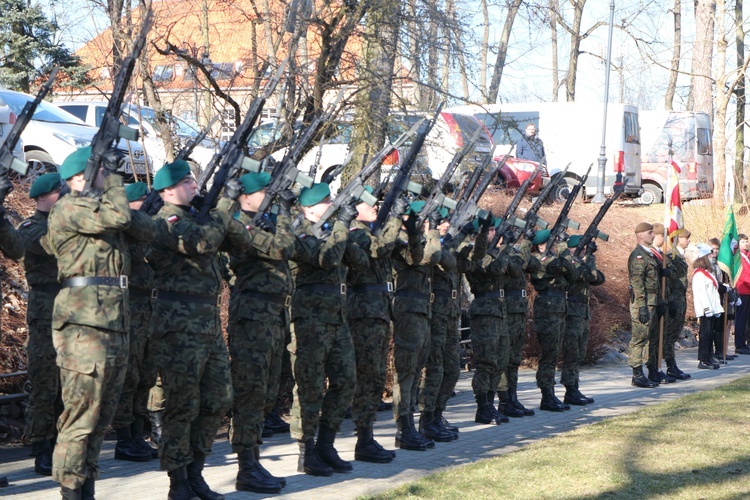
{"points": [[554, 7], [676, 53], [502, 50], [739, 144], [702, 52]]}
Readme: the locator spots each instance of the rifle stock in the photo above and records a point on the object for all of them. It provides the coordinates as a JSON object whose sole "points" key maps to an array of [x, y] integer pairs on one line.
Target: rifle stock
{"points": [[558, 230], [593, 230], [509, 219]]}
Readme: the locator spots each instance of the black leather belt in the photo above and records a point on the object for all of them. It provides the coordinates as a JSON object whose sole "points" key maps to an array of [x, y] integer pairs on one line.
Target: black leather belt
{"points": [[284, 300], [581, 299], [340, 289], [551, 293], [47, 287], [119, 281], [414, 295], [515, 293], [140, 293], [497, 294], [446, 294], [211, 300], [380, 287]]}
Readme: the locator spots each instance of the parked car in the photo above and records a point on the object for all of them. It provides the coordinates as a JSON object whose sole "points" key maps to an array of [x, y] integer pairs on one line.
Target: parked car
{"points": [[52, 134], [91, 112], [7, 120]]}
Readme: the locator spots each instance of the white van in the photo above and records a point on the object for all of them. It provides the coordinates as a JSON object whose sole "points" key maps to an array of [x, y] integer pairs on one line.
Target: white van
{"points": [[571, 133], [690, 136]]}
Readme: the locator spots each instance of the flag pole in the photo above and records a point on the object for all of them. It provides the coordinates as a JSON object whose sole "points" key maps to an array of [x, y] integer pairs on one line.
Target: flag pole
{"points": [[662, 319]]}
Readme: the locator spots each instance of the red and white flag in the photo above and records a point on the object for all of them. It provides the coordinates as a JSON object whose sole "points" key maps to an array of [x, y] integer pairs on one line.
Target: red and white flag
{"points": [[675, 204]]}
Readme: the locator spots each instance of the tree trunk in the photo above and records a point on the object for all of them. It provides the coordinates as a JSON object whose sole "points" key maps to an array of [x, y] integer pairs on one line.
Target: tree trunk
{"points": [[575, 46], [554, 8], [432, 58], [415, 49], [722, 95], [152, 99], [739, 145], [502, 51], [702, 52], [485, 51], [462, 56], [674, 70]]}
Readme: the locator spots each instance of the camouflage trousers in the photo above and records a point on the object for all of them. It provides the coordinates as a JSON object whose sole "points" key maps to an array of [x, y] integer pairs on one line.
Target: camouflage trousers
{"points": [[139, 378], [411, 337], [319, 351], [490, 344], [92, 368], [45, 404], [575, 341], [517, 335], [673, 328], [256, 349], [195, 376], [372, 339], [286, 378], [443, 363], [638, 349], [550, 329]]}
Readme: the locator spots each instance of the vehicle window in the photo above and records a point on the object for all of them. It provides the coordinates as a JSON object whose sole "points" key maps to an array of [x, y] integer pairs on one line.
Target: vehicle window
{"points": [[632, 133], [45, 112], [344, 135], [704, 141], [261, 136], [79, 111], [507, 128], [99, 114]]}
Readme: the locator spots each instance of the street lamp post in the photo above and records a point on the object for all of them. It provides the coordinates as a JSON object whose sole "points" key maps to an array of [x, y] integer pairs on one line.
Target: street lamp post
{"points": [[602, 161]]}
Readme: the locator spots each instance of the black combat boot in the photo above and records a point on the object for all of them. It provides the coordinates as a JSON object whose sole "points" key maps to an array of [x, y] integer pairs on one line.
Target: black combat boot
{"points": [[484, 414], [369, 450], [196, 481], [127, 449], [407, 438], [588, 399], [499, 417], [427, 441], [275, 423], [70, 494], [179, 488], [136, 430], [447, 425], [430, 427], [309, 461], [156, 419], [88, 489], [513, 397], [278, 479], [42, 451], [327, 453], [675, 372], [252, 477], [640, 379], [506, 407], [574, 397], [550, 401]]}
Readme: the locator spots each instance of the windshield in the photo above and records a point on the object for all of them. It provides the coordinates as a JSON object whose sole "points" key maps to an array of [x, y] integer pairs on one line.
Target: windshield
{"points": [[45, 112]]}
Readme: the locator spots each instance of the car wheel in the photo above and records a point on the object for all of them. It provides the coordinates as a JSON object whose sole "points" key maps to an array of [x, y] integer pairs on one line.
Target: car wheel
{"points": [[500, 181], [40, 163], [651, 194], [562, 190]]}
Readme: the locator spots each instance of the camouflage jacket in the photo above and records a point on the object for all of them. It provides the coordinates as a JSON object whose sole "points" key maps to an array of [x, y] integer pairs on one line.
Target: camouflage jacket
{"points": [[413, 275], [552, 281], [10, 242], [485, 279], [320, 268], [677, 283], [363, 303], [455, 259], [578, 292], [263, 279], [645, 285], [139, 237], [87, 237], [185, 258], [516, 300], [40, 268]]}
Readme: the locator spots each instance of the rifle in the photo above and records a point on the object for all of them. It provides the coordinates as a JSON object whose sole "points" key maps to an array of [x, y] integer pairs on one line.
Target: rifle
{"points": [[111, 129], [593, 230], [437, 198], [562, 222], [401, 182], [285, 174], [188, 148], [314, 167], [531, 218], [7, 160], [232, 156], [509, 219]]}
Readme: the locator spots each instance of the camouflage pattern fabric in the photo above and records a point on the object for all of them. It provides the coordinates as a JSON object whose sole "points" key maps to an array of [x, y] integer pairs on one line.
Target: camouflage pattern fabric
{"points": [[656, 331], [11, 245], [517, 337], [412, 265], [258, 322], [41, 275], [186, 336], [90, 323], [643, 272], [677, 287]]}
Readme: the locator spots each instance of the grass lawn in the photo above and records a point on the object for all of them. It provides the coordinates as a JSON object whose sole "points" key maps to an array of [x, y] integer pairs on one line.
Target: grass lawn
{"points": [[694, 447]]}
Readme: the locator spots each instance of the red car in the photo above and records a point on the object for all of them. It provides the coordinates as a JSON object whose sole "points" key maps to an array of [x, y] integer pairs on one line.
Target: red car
{"points": [[517, 170]]}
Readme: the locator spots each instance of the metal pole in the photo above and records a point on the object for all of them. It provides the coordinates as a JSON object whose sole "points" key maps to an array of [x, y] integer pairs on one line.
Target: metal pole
{"points": [[599, 197]]}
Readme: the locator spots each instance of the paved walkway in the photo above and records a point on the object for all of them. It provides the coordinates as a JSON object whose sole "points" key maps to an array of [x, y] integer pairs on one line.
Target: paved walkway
{"points": [[609, 385]]}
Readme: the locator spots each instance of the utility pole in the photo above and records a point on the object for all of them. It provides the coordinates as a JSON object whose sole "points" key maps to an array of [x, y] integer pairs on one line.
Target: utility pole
{"points": [[599, 197]]}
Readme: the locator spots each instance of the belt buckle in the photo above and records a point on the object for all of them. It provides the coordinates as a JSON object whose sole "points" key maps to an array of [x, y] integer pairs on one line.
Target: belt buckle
{"points": [[154, 293], [287, 300], [389, 286], [342, 289], [454, 294], [523, 293], [123, 281], [432, 298], [502, 293]]}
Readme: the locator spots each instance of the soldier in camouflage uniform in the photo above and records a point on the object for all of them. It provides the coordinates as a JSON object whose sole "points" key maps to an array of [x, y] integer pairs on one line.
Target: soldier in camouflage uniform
{"points": [[258, 322], [412, 266], [186, 333], [643, 272], [131, 413], [90, 318], [655, 373], [677, 302], [41, 276], [321, 343], [368, 306], [576, 336], [550, 309]]}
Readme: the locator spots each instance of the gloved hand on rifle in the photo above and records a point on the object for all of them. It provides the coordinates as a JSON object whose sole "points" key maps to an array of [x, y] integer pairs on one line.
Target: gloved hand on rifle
{"points": [[509, 236], [485, 224], [529, 234], [435, 218], [112, 161], [643, 315], [410, 223], [267, 225], [348, 212], [399, 207], [592, 247], [665, 272], [5, 188], [233, 189], [287, 198], [468, 229]]}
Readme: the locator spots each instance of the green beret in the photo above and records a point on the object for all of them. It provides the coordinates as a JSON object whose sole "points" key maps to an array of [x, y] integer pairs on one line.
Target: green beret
{"points": [[314, 195], [170, 174], [46, 183], [541, 237], [136, 191], [254, 182], [75, 163], [415, 207], [574, 240]]}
